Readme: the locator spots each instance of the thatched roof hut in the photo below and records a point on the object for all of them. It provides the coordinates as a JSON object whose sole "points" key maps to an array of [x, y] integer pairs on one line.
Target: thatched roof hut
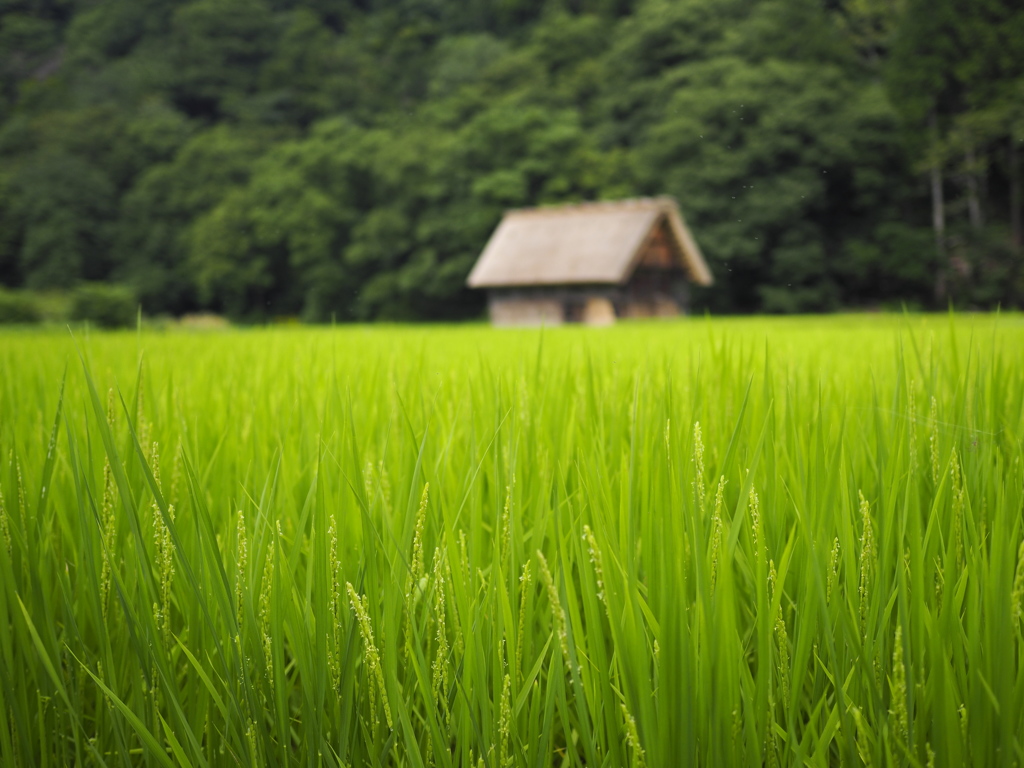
{"points": [[590, 262]]}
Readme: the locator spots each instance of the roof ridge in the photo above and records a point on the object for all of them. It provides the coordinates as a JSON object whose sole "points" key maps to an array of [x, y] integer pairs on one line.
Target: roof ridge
{"points": [[659, 201], [581, 243]]}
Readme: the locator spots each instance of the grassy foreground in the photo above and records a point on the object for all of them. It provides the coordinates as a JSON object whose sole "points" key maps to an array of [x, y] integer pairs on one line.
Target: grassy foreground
{"points": [[742, 542]]}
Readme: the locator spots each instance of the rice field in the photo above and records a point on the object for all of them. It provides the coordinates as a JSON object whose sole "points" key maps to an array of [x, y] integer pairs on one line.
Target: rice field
{"points": [[756, 542]]}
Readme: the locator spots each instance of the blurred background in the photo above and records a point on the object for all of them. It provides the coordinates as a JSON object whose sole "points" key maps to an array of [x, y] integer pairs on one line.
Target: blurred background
{"points": [[348, 159]]}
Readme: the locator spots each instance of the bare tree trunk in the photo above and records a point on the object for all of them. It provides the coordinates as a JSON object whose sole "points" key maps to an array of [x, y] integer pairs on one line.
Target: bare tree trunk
{"points": [[938, 212], [1016, 235], [973, 199]]}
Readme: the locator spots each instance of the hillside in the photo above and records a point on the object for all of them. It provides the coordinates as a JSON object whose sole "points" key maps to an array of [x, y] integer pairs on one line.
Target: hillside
{"points": [[349, 158]]}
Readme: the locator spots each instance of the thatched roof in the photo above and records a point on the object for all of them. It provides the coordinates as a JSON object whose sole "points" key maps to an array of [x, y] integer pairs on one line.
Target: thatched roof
{"points": [[587, 243]]}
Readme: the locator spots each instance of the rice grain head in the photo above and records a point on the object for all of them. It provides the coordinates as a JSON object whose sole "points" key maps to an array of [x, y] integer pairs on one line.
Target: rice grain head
{"points": [[264, 606], [867, 563], [770, 746], [464, 556], [525, 580], [595, 559], [240, 564], [164, 553], [898, 689], [698, 464], [439, 681], [506, 523], [755, 521], [251, 740], [375, 673], [863, 740], [334, 571], [109, 522], [1017, 597], [737, 731], [415, 581], [637, 756], [957, 485], [833, 570], [557, 612], [505, 758], [418, 567], [717, 531], [781, 636]]}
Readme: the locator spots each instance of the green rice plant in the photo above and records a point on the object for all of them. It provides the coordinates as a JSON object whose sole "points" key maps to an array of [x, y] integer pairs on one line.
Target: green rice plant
{"points": [[706, 542]]}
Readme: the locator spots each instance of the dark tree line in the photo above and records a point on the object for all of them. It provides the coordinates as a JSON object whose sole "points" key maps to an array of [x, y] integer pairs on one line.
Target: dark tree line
{"points": [[349, 158]]}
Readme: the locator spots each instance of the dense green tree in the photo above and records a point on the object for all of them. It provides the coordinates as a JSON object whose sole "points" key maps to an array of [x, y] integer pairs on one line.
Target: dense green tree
{"points": [[955, 73], [219, 47], [378, 223], [58, 213], [765, 158], [349, 158], [157, 215], [273, 245]]}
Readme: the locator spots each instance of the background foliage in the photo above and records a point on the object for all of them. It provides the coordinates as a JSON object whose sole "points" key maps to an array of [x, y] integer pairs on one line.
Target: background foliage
{"points": [[348, 158]]}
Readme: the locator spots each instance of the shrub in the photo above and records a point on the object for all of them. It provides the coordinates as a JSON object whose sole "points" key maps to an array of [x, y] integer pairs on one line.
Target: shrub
{"points": [[108, 306], [18, 307]]}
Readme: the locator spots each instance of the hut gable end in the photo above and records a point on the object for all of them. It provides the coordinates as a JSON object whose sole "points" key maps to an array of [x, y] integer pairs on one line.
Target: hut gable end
{"points": [[660, 250], [590, 262]]}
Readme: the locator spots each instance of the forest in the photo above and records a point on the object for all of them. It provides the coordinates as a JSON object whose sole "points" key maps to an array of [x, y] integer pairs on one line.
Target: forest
{"points": [[348, 159]]}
